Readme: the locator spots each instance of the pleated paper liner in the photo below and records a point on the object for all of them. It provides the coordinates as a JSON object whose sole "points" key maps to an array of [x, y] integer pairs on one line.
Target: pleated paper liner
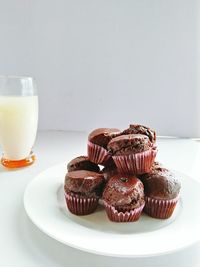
{"points": [[97, 154], [126, 216], [161, 209], [80, 205], [137, 163]]}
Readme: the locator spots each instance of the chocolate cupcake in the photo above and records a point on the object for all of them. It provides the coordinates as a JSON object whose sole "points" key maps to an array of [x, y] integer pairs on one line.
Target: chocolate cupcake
{"points": [[82, 163], [82, 191], [97, 144], [161, 192], [141, 129], [123, 198], [132, 153]]}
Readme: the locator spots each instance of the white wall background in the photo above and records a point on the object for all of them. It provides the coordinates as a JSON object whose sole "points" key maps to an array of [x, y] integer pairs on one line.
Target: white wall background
{"points": [[107, 62]]}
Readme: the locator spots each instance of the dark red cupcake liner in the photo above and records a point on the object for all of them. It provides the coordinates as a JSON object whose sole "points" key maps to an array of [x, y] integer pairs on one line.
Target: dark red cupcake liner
{"points": [[80, 205], [161, 209], [137, 163], [97, 154], [119, 216]]}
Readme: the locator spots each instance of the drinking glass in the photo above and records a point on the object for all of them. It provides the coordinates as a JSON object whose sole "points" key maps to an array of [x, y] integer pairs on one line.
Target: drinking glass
{"points": [[18, 120]]}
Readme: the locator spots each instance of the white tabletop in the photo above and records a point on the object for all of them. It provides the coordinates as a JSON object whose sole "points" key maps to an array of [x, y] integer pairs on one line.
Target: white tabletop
{"points": [[22, 244]]}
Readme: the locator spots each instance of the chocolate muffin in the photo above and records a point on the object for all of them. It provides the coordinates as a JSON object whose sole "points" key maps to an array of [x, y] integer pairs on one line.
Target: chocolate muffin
{"points": [[132, 153], [82, 191], [123, 198], [141, 129], [162, 190], [97, 144], [82, 163]]}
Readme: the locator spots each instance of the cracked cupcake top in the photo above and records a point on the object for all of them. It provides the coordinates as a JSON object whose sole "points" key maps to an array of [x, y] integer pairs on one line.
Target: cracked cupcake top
{"points": [[129, 143], [82, 163], [141, 129], [102, 136]]}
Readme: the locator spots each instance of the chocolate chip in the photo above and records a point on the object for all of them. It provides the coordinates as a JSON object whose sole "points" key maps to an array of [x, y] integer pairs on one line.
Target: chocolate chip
{"points": [[124, 179]]}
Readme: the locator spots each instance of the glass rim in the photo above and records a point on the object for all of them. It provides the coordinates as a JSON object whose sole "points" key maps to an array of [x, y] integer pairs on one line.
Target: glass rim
{"points": [[16, 77]]}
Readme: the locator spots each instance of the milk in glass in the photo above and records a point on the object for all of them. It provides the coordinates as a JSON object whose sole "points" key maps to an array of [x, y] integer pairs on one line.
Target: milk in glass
{"points": [[18, 125]]}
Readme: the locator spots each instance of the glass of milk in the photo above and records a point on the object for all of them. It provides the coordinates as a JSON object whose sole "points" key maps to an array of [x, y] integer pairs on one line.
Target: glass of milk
{"points": [[18, 120]]}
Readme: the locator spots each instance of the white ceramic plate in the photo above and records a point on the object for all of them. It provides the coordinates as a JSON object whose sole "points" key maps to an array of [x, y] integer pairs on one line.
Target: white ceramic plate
{"points": [[45, 206]]}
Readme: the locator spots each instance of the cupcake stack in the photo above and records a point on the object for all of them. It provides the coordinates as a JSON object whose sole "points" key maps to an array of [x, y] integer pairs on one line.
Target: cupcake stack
{"points": [[120, 169]]}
